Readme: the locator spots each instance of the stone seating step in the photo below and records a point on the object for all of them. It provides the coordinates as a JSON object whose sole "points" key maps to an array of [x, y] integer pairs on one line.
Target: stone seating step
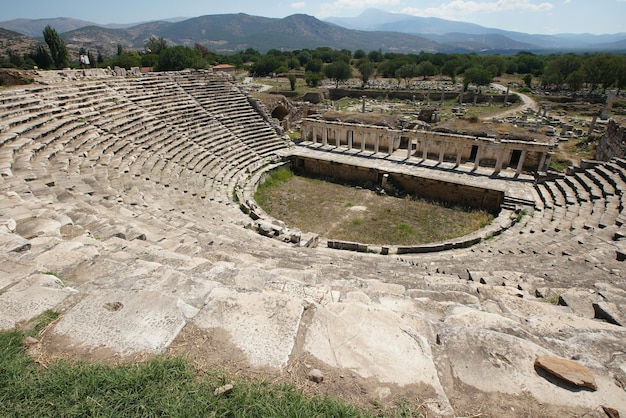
{"points": [[570, 194], [589, 185], [604, 187]]}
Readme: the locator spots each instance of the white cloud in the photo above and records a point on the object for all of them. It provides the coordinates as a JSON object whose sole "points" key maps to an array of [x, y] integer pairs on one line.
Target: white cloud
{"points": [[336, 7], [298, 5], [567, 1], [458, 9]]}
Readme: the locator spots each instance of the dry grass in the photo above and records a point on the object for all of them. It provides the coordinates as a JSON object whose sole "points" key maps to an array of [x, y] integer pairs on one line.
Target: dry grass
{"points": [[355, 214]]}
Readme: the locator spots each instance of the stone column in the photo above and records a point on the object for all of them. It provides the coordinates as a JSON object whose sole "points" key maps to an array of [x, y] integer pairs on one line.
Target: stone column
{"points": [[459, 154], [350, 135], [425, 150], [442, 151], [478, 156], [364, 136], [314, 130], [409, 148], [499, 161], [520, 164], [506, 96], [338, 134], [390, 149], [376, 142], [592, 126], [547, 162], [542, 161], [325, 136]]}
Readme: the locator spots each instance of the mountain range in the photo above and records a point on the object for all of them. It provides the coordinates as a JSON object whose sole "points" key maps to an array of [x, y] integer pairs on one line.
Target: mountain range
{"points": [[372, 30]]}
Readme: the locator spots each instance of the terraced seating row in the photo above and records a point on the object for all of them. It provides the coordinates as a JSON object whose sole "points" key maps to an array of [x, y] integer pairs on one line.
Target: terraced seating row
{"points": [[585, 205]]}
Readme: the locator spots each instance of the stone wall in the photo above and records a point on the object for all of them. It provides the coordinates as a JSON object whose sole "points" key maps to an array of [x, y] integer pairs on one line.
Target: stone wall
{"points": [[435, 96], [612, 144], [442, 191]]}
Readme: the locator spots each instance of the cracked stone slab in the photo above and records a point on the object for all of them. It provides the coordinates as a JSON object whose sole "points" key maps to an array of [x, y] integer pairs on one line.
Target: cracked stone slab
{"points": [[374, 342], [493, 361], [263, 325], [126, 322], [30, 297]]}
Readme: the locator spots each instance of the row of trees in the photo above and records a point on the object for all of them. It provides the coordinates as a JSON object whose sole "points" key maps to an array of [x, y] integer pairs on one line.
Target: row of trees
{"points": [[574, 71]]}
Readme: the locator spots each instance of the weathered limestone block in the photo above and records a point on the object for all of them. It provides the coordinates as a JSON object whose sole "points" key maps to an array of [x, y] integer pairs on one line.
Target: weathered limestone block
{"points": [[568, 370], [580, 301], [493, 361], [126, 322], [30, 297], [263, 325], [10, 243], [375, 342], [65, 256]]}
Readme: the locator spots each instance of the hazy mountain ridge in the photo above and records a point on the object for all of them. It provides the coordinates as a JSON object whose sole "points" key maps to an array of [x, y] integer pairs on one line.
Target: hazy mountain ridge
{"points": [[459, 33], [373, 29]]}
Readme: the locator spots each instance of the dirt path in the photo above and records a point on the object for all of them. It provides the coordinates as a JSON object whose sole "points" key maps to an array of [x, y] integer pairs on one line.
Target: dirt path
{"points": [[527, 102]]}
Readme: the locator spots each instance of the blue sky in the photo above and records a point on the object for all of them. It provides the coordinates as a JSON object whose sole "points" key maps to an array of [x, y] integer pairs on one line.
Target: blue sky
{"points": [[532, 16]]}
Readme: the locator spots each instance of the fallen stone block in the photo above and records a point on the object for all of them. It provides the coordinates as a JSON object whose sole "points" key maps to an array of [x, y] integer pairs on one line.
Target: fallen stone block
{"points": [[567, 370]]}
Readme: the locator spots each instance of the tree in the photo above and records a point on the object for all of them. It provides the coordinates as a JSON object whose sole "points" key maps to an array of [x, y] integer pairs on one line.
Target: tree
{"points": [[266, 65], [56, 45], [426, 69], [528, 80], [359, 54], [478, 76], [178, 58], [314, 66], [406, 72], [128, 60], [576, 80], [292, 81], [338, 71], [40, 55], [375, 56], [313, 79], [366, 69], [156, 45], [552, 75]]}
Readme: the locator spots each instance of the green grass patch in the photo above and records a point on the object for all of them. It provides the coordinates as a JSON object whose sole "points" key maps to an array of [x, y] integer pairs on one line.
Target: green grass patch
{"points": [[560, 164], [162, 387], [274, 179], [356, 222], [553, 298], [356, 214]]}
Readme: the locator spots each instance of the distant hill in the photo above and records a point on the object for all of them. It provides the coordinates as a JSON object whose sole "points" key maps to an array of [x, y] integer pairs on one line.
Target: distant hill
{"points": [[476, 37], [235, 32], [372, 30], [15, 41], [34, 27]]}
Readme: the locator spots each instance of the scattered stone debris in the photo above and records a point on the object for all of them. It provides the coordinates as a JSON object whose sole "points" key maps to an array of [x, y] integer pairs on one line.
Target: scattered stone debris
{"points": [[113, 306], [315, 375], [223, 390], [30, 341]]}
